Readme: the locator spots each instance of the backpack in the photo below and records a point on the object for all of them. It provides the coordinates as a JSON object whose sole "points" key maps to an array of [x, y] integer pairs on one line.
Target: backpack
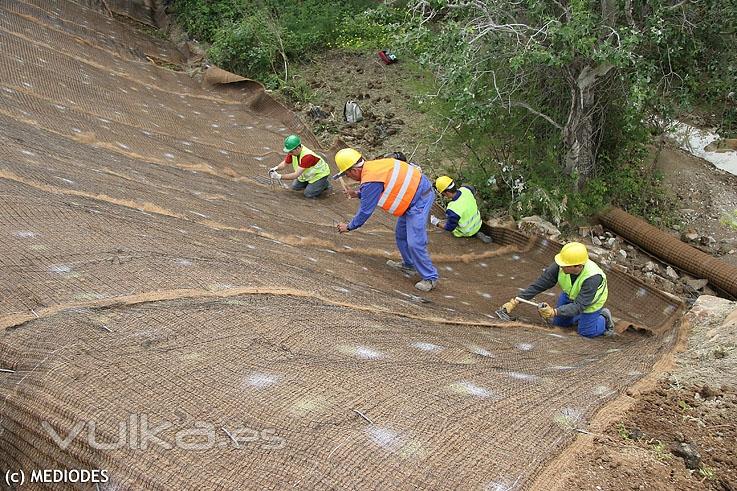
{"points": [[387, 57], [352, 113]]}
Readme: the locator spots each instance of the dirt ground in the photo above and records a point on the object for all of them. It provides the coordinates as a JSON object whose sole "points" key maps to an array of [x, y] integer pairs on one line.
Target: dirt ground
{"points": [[705, 195], [393, 119], [682, 434]]}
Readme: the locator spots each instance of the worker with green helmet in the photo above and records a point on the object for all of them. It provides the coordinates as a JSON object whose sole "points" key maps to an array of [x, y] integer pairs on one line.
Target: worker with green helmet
{"points": [[584, 294], [462, 217], [310, 170]]}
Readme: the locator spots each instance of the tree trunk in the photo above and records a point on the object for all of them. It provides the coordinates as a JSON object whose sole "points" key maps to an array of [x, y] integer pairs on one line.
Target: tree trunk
{"points": [[579, 130]]}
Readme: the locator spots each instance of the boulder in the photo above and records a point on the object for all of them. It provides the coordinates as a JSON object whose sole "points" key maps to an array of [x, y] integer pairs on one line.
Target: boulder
{"points": [[671, 273], [697, 284], [537, 225]]}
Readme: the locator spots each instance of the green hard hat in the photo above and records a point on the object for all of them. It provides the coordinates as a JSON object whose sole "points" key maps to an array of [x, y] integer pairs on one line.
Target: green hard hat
{"points": [[291, 142]]}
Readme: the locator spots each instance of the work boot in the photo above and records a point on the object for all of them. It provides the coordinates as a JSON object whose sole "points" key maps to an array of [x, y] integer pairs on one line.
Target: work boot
{"points": [[401, 266], [426, 285], [609, 329], [483, 237]]}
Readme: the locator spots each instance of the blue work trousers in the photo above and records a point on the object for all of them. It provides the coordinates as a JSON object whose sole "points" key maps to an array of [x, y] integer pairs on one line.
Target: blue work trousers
{"points": [[590, 324], [411, 235]]}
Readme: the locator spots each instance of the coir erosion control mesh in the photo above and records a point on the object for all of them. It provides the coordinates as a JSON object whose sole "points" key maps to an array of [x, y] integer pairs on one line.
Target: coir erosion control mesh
{"points": [[171, 316]]}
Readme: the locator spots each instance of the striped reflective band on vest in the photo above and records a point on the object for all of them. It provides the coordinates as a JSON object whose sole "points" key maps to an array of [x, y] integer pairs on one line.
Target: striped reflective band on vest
{"points": [[400, 179]]}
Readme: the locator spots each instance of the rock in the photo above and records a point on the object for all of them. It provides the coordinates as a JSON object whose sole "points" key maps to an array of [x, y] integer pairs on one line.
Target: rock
{"points": [[697, 284], [707, 392], [690, 236], [610, 242], [691, 457], [708, 241], [598, 251], [620, 268], [316, 113], [596, 241], [650, 266], [504, 221], [671, 273], [623, 253], [667, 285], [539, 226], [676, 227]]}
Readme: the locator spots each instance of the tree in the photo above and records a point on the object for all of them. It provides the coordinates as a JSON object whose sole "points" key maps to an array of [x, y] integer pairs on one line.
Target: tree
{"points": [[567, 62]]}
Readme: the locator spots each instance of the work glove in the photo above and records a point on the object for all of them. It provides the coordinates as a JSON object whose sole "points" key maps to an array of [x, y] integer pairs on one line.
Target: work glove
{"points": [[274, 174], [546, 311], [434, 220], [511, 305], [274, 169]]}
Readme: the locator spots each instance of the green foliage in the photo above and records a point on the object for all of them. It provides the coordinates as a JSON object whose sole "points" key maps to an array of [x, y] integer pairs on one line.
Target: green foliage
{"points": [[256, 38], [623, 432], [374, 28], [707, 472], [246, 46], [660, 450]]}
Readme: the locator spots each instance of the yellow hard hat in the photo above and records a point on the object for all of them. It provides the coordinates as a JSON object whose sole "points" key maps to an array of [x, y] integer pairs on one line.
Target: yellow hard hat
{"points": [[345, 159], [572, 254], [443, 182]]}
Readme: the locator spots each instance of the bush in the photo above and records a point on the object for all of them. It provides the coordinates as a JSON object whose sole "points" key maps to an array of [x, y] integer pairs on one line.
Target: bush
{"points": [[253, 38]]}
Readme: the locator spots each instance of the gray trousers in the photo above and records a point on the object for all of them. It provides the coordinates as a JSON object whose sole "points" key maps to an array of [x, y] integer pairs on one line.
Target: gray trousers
{"points": [[314, 189]]}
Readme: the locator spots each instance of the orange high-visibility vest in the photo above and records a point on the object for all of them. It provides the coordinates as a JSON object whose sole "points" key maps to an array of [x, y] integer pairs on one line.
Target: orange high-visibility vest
{"points": [[400, 179]]}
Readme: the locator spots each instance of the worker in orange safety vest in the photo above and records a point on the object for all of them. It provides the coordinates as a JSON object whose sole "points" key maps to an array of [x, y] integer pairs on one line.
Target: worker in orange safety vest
{"points": [[402, 190]]}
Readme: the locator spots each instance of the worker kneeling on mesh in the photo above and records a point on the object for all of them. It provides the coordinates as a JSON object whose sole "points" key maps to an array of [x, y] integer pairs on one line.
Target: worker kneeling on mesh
{"points": [[584, 293], [402, 190], [311, 171], [462, 215]]}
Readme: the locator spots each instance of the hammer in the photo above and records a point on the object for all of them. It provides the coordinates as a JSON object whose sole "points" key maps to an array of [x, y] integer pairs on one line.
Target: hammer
{"points": [[504, 315]]}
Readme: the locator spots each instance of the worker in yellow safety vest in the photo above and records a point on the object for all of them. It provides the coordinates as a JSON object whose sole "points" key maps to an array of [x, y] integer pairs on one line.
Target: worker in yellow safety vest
{"points": [[402, 190], [584, 294], [310, 170], [462, 217]]}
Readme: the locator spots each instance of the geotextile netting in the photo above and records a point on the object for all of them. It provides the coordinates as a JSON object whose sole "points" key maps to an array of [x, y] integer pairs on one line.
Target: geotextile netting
{"points": [[151, 277]]}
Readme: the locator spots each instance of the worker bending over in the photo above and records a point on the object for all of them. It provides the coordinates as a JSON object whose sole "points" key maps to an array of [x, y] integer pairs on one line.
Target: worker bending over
{"points": [[311, 171], [402, 190], [584, 293], [462, 215]]}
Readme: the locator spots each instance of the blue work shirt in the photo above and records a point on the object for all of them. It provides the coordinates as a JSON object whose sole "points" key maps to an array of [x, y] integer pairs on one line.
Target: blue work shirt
{"points": [[370, 193]]}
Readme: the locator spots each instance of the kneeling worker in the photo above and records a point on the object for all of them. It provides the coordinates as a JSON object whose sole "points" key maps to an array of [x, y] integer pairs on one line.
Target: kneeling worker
{"points": [[311, 171], [402, 190], [584, 293], [462, 215]]}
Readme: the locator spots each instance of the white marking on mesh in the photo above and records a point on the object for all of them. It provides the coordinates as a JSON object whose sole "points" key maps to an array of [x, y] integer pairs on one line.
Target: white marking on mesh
{"points": [[524, 346], [423, 346], [371, 354], [60, 268], [481, 351], [473, 389], [382, 436], [390, 186], [522, 376], [26, 234], [261, 380]]}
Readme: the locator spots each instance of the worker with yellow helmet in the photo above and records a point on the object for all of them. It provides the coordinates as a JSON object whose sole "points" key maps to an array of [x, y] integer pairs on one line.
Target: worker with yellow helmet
{"points": [[462, 217], [401, 189], [584, 294]]}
